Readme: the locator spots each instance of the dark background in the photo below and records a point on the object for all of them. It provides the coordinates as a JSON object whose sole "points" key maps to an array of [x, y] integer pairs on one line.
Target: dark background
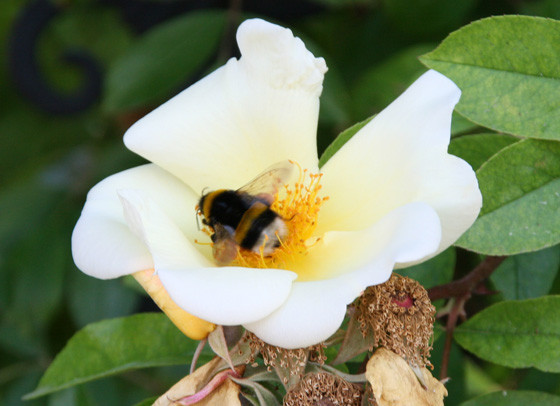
{"points": [[75, 74]]}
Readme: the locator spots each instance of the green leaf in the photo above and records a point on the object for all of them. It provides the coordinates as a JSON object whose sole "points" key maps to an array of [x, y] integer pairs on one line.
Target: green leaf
{"points": [[516, 334], [527, 276], [161, 61], [438, 331], [436, 271], [456, 387], [514, 398], [27, 202], [147, 402], [477, 379], [340, 140], [31, 140], [264, 396], [35, 271], [521, 192], [460, 125], [508, 70], [354, 378], [261, 374], [354, 342], [478, 148], [534, 379], [217, 341], [113, 346], [112, 299]]}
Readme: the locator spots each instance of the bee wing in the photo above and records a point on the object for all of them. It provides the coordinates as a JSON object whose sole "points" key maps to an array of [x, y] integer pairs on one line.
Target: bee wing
{"points": [[224, 247], [267, 184]]}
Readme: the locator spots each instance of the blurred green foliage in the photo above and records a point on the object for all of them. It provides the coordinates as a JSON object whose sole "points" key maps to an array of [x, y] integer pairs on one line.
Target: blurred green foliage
{"points": [[48, 163]]}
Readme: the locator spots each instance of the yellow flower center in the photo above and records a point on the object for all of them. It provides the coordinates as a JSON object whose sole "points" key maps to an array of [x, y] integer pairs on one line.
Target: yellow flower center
{"points": [[299, 206]]}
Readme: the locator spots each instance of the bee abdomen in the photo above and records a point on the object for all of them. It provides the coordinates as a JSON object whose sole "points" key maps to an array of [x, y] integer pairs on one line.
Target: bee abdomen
{"points": [[254, 223]]}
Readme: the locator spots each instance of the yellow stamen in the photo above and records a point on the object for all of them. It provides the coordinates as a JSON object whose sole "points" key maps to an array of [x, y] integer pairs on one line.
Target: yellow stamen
{"points": [[203, 243], [299, 206]]}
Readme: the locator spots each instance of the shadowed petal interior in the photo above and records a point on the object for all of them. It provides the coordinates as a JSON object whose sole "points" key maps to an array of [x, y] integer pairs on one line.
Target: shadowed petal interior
{"points": [[102, 243], [221, 295]]}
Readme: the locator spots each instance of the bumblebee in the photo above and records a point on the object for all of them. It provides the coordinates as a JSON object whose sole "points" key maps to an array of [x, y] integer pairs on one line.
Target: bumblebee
{"points": [[243, 218]]}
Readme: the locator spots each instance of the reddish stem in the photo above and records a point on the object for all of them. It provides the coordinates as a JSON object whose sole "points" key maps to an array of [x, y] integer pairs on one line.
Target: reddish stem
{"points": [[197, 352], [209, 388], [466, 284], [461, 291], [450, 328]]}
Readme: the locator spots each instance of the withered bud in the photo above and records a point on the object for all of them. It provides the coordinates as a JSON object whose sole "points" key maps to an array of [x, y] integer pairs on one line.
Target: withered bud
{"points": [[400, 316], [294, 360], [394, 383], [324, 389]]}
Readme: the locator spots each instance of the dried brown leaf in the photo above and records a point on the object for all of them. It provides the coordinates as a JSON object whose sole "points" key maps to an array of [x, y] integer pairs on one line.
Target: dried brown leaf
{"points": [[226, 394], [394, 383]]}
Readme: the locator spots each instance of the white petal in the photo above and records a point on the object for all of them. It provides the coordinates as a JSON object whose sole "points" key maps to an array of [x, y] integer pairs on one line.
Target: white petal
{"points": [[102, 244], [354, 261], [405, 234], [401, 157], [169, 247], [105, 248], [245, 116], [312, 313], [228, 295]]}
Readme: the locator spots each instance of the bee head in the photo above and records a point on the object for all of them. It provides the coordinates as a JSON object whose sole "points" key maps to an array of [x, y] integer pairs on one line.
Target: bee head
{"points": [[200, 204], [203, 207]]}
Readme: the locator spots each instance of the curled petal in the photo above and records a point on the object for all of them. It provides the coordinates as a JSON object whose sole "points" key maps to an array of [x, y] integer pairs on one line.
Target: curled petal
{"points": [[401, 157], [405, 234], [226, 295], [272, 53], [237, 121], [102, 243], [316, 308], [166, 242]]}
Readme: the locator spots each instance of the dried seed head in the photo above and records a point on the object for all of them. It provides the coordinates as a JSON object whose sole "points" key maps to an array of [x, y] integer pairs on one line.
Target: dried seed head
{"points": [[401, 317], [293, 361], [324, 389]]}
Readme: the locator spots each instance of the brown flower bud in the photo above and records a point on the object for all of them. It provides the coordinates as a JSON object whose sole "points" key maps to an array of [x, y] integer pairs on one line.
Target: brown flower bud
{"points": [[324, 389], [292, 362], [400, 316]]}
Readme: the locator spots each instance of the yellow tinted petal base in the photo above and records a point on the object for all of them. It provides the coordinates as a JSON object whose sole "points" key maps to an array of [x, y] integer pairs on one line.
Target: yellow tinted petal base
{"points": [[190, 325]]}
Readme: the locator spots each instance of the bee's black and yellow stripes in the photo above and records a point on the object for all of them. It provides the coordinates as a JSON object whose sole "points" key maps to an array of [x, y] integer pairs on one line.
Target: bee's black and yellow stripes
{"points": [[257, 218], [243, 213]]}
